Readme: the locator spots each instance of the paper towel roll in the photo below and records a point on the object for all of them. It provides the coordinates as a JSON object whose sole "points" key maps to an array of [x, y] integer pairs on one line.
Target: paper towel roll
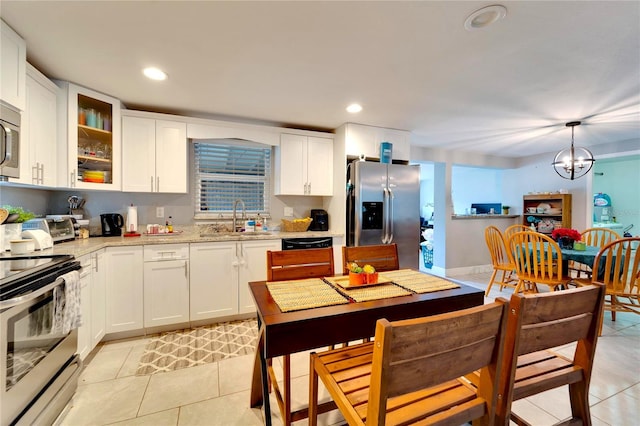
{"points": [[132, 219]]}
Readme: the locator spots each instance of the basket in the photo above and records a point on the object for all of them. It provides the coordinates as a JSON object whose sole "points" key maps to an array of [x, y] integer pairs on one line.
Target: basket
{"points": [[300, 226], [427, 254]]}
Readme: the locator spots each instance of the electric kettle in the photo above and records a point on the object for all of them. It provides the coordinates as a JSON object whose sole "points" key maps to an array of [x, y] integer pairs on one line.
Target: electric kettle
{"points": [[112, 224]]}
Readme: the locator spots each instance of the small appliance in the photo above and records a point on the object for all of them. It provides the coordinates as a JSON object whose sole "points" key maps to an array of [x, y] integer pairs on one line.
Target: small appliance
{"points": [[60, 228], [320, 220], [112, 224], [9, 143]]}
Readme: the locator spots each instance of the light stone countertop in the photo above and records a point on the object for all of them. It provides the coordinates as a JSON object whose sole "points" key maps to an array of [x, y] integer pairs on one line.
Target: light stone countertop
{"points": [[80, 247]]}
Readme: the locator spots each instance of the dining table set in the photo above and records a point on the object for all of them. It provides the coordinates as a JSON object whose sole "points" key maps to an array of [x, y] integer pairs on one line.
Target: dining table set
{"points": [[304, 314]]}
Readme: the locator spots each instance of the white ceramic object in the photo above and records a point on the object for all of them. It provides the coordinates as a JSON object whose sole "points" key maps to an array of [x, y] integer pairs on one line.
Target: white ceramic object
{"points": [[22, 246]]}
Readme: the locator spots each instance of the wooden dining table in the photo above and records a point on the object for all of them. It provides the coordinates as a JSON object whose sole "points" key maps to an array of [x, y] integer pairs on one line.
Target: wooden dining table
{"points": [[283, 333]]}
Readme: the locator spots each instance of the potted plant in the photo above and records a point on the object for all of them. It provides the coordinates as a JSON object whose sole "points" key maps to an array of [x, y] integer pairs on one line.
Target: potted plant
{"points": [[11, 229], [505, 210], [566, 237]]}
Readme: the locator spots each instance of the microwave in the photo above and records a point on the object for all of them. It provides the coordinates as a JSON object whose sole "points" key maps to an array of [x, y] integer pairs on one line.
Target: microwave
{"points": [[61, 228], [9, 143]]}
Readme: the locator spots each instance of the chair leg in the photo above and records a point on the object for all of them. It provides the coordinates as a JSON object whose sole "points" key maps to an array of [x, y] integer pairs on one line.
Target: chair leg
{"points": [[286, 367], [579, 397], [313, 393], [493, 277]]}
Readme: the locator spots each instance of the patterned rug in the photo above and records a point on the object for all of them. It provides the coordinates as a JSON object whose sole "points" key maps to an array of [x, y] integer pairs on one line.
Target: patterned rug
{"points": [[196, 346]]}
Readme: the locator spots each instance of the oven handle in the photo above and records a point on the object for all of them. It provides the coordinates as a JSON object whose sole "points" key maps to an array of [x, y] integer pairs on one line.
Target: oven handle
{"points": [[31, 296]]}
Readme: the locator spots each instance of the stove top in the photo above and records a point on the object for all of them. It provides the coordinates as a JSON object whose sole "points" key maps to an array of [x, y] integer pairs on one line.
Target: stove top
{"points": [[22, 274]]}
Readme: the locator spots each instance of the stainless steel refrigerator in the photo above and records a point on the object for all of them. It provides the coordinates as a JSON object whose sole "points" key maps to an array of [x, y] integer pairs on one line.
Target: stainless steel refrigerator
{"points": [[383, 207]]}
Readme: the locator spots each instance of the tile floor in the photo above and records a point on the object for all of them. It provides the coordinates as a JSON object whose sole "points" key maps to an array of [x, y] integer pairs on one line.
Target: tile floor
{"points": [[218, 394]]}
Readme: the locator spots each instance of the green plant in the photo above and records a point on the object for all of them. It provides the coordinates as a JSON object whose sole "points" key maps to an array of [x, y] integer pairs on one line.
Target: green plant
{"points": [[23, 215]]}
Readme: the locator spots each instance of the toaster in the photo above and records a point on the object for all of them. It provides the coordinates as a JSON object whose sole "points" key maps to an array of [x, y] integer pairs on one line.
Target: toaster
{"points": [[60, 228], [41, 239]]}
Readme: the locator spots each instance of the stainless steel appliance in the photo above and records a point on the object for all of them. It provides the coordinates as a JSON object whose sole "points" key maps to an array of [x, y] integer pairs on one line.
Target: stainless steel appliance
{"points": [[306, 243], [9, 143], [112, 224], [61, 228], [320, 220], [39, 367], [383, 207]]}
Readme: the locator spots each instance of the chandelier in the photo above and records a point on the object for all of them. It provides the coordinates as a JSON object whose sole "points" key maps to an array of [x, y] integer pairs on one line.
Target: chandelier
{"points": [[574, 162]]}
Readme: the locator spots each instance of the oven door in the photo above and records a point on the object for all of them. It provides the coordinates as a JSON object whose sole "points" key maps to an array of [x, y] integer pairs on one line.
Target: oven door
{"points": [[31, 353]]}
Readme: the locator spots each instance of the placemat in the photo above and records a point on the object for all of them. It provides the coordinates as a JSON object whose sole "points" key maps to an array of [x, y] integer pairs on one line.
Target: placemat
{"points": [[296, 295], [417, 281], [383, 291]]}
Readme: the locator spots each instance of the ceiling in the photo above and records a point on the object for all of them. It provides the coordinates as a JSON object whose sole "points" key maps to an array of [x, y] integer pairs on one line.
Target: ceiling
{"points": [[505, 90]]}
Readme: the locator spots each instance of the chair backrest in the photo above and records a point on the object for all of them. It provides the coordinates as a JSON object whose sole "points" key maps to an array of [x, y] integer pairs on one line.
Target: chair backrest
{"points": [[545, 320], [415, 354], [299, 264], [617, 267], [599, 237], [383, 257], [536, 256], [512, 230], [496, 245]]}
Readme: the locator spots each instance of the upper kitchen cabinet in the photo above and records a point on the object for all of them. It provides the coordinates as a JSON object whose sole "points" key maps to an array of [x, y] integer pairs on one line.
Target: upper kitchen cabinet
{"points": [[304, 165], [154, 154], [13, 63], [38, 147], [365, 140], [89, 154]]}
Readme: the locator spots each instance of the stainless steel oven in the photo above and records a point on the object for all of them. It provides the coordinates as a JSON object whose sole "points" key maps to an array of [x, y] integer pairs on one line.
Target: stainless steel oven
{"points": [[9, 143], [39, 366]]}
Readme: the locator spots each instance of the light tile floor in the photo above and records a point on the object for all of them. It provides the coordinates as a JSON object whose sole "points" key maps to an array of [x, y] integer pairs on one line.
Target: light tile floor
{"points": [[218, 394]]}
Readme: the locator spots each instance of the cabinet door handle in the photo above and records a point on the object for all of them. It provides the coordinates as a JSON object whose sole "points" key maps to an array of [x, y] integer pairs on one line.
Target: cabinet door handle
{"points": [[73, 178], [157, 183], [34, 174], [186, 271], [151, 183], [41, 173]]}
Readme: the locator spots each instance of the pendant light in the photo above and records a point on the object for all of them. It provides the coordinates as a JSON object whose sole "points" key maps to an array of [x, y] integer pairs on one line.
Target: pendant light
{"points": [[573, 163]]}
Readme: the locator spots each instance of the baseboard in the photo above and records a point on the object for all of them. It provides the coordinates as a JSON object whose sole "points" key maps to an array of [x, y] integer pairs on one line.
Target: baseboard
{"points": [[469, 270]]}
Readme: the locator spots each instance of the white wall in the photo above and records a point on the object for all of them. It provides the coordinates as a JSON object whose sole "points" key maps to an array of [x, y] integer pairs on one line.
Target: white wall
{"points": [[475, 185], [620, 179]]}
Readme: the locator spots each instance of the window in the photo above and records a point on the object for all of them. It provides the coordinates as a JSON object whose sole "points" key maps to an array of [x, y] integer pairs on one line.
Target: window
{"points": [[226, 171]]}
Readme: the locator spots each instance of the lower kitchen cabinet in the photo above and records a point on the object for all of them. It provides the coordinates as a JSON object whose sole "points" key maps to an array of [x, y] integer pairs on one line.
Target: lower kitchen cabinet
{"points": [[166, 284], [124, 275], [84, 331], [98, 297], [220, 273]]}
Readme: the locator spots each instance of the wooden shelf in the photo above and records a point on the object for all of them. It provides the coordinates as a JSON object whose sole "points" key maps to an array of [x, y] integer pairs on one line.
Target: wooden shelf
{"points": [[547, 221]]}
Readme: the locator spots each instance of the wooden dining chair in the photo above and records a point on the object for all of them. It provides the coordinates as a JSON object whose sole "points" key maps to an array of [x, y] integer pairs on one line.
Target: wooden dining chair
{"points": [[617, 268], [414, 371], [383, 257], [595, 237], [500, 259], [510, 230], [538, 322], [538, 260], [294, 265]]}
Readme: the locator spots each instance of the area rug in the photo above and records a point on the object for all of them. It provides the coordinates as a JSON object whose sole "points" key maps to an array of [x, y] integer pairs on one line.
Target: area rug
{"points": [[196, 346]]}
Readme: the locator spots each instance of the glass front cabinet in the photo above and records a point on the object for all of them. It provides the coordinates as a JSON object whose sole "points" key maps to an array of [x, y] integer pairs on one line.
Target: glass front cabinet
{"points": [[90, 139]]}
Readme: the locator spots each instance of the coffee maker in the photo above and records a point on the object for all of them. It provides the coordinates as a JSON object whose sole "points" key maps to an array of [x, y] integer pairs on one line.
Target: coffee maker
{"points": [[320, 220], [112, 224]]}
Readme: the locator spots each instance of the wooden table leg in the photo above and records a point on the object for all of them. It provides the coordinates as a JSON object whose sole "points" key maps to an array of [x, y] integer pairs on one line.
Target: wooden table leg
{"points": [[260, 380]]}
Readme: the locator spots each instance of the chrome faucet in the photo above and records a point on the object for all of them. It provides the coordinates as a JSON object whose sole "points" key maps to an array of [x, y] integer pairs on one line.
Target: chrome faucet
{"points": [[244, 212]]}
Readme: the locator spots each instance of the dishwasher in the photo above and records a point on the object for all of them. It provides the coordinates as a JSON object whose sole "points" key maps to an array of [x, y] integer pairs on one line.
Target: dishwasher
{"points": [[166, 284], [306, 243]]}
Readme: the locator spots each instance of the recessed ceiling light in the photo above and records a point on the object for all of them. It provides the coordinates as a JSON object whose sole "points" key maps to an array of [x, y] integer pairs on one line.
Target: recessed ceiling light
{"points": [[484, 17], [155, 73], [353, 108]]}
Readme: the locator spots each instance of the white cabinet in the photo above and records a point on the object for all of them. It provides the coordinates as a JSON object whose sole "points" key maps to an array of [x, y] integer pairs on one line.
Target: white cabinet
{"points": [[84, 331], [89, 150], [98, 297], [213, 280], [226, 292], [253, 267], [365, 140], [304, 165], [13, 62], [38, 143], [124, 275], [166, 284], [154, 155]]}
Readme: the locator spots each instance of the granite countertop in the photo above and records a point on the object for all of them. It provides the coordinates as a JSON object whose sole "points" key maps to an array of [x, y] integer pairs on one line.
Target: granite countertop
{"points": [[80, 247]]}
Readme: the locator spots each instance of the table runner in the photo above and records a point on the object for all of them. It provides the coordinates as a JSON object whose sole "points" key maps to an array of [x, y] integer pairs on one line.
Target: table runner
{"points": [[417, 281], [296, 295]]}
